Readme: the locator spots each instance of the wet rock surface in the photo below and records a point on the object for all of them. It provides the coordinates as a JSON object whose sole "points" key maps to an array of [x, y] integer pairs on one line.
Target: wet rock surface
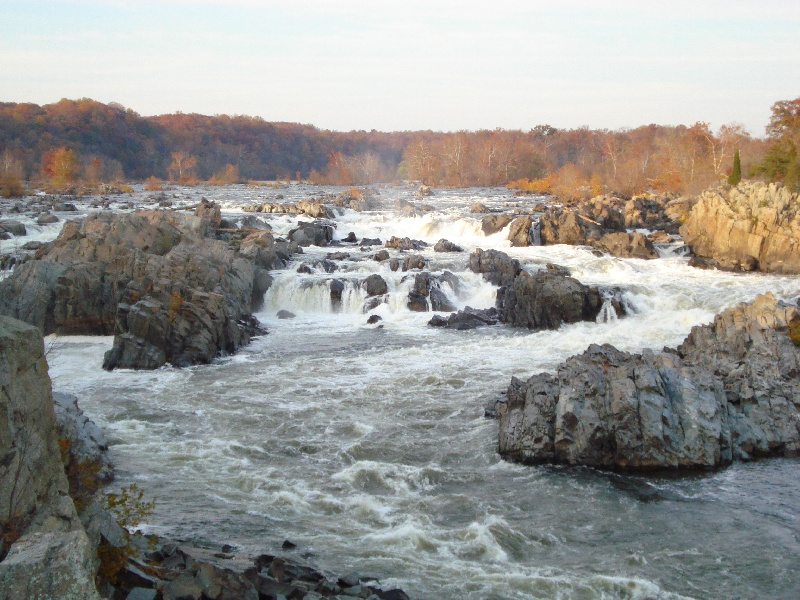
{"points": [[158, 280], [729, 392]]}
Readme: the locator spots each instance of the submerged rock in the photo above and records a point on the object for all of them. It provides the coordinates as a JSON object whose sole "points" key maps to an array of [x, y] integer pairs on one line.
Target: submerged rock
{"points": [[728, 393]]}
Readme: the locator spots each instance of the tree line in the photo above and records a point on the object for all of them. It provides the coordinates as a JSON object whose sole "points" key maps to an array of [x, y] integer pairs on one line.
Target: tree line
{"points": [[87, 141]]}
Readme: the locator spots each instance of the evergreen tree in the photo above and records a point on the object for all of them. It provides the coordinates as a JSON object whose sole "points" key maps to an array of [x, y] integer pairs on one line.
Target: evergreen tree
{"points": [[736, 175]]}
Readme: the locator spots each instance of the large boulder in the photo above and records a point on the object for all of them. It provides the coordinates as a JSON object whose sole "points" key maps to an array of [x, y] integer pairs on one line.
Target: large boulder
{"points": [[752, 226], [156, 279], [496, 266], [729, 392], [546, 300], [52, 557]]}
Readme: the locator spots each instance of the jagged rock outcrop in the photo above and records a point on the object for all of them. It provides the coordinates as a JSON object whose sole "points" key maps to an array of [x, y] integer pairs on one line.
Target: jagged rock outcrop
{"points": [[85, 441], [158, 280], [731, 391], [752, 226], [542, 300], [546, 300], [53, 557]]}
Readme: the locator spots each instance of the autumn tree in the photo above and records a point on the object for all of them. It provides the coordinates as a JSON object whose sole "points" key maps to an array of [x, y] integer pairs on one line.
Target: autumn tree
{"points": [[60, 166], [11, 172], [227, 176], [781, 162], [182, 167]]}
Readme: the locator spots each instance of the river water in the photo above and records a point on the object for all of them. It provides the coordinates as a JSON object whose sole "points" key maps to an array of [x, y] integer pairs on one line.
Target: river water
{"points": [[367, 445]]}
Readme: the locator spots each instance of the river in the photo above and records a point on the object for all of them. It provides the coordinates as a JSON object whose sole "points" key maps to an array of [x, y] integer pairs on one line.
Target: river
{"points": [[367, 445]]}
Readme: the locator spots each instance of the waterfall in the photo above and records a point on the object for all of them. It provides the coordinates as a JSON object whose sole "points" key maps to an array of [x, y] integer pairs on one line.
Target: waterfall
{"points": [[608, 313]]}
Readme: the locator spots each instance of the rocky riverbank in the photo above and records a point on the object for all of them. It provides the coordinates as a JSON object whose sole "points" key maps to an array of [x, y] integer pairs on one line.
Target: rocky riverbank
{"points": [[749, 227], [48, 549], [730, 392]]}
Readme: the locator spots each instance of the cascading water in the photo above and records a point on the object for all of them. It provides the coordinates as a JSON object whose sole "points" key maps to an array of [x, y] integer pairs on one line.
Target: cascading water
{"points": [[367, 446]]}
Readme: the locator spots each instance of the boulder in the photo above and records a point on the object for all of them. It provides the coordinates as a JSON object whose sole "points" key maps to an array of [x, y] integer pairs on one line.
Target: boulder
{"points": [[491, 224], [46, 219], [209, 210], [627, 245], [729, 392], [546, 300], [14, 228], [469, 318], [444, 245], [479, 208], [414, 261], [583, 224], [87, 443], [496, 267], [316, 233], [752, 226], [375, 285], [426, 295], [519, 233]]}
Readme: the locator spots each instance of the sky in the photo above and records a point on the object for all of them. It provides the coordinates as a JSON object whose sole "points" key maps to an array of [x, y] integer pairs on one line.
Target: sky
{"points": [[411, 65]]}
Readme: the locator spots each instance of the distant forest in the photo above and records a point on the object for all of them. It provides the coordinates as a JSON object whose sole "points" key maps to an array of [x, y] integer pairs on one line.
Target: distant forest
{"points": [[84, 140]]}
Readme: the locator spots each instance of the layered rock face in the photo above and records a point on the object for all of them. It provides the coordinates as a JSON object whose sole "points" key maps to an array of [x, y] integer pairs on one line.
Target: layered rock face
{"points": [[156, 279], [731, 391], [753, 226], [53, 558]]}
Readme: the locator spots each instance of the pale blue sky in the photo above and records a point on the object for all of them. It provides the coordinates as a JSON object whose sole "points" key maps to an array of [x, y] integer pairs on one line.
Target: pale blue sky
{"points": [[442, 65]]}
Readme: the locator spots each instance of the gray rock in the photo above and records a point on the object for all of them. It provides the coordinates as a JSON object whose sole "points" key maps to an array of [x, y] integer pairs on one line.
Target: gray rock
{"points": [[285, 314], [139, 593], [728, 393], [167, 292], [317, 233], [49, 565], [519, 234], [47, 219], [375, 285], [546, 300], [87, 441], [495, 266], [405, 243], [184, 587], [414, 261], [15, 228], [444, 245]]}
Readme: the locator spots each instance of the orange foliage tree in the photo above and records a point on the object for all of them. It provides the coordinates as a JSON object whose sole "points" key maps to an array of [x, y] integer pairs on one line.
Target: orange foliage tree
{"points": [[60, 166]]}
